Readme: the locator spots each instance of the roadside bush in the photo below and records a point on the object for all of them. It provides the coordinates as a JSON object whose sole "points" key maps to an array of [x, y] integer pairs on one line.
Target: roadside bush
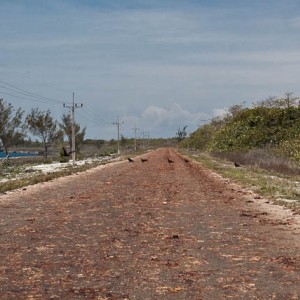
{"points": [[257, 128], [290, 148], [248, 129]]}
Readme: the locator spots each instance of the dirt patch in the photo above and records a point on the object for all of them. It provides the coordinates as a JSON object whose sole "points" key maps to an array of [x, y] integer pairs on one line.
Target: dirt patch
{"points": [[164, 228]]}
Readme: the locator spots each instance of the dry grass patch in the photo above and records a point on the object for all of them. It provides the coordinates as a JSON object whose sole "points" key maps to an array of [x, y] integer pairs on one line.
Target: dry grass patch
{"points": [[279, 187]]}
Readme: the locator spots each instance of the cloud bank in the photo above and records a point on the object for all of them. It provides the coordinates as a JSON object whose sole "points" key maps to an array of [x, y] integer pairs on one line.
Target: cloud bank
{"points": [[157, 64]]}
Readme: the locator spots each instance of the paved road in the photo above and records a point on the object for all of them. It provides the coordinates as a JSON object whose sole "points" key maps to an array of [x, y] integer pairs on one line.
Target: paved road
{"points": [[146, 230]]}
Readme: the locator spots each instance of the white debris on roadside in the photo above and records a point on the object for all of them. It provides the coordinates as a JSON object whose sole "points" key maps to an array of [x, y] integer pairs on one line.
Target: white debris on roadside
{"points": [[56, 167]]}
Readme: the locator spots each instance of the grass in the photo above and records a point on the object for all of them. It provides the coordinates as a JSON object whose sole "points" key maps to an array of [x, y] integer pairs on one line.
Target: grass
{"points": [[263, 159], [281, 187]]}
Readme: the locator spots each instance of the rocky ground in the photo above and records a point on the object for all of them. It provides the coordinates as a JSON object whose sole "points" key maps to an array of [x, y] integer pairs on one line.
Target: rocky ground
{"points": [[165, 228]]}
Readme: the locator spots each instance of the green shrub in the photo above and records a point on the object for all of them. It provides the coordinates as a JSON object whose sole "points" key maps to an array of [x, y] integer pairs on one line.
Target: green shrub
{"points": [[290, 148], [247, 129]]}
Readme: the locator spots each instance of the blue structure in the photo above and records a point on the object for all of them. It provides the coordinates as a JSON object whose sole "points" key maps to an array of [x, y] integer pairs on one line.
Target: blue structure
{"points": [[3, 154]]}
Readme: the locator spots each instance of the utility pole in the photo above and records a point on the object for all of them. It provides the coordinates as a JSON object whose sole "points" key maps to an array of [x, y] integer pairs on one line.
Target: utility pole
{"points": [[143, 133], [118, 125], [73, 107], [135, 129], [147, 136]]}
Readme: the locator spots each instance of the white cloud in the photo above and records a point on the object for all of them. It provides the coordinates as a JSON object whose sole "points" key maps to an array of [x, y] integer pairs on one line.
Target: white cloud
{"points": [[159, 119]]}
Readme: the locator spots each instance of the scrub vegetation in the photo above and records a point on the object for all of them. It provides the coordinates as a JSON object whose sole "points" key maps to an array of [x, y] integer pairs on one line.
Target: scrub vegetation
{"points": [[268, 134], [258, 147]]}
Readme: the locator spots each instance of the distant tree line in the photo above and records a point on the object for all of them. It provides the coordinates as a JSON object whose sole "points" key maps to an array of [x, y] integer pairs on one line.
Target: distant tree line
{"points": [[272, 123], [15, 127]]}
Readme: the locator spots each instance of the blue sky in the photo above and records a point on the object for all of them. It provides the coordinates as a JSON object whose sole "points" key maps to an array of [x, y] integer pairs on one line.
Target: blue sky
{"points": [[157, 65]]}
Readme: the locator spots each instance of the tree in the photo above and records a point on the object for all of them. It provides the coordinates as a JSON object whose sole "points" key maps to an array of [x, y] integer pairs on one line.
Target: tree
{"points": [[181, 133], [270, 101], [42, 125], [66, 127], [287, 101], [11, 127], [199, 138], [234, 110]]}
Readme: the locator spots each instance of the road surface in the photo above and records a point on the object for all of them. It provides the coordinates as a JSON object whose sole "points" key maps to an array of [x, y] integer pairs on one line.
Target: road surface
{"points": [[165, 228]]}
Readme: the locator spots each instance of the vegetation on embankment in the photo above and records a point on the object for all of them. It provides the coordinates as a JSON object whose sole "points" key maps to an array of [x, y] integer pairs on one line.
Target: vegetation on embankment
{"points": [[264, 139], [274, 128]]}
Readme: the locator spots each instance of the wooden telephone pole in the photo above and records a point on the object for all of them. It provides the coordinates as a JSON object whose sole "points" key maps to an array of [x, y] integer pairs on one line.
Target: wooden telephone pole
{"points": [[118, 125], [73, 107], [135, 129]]}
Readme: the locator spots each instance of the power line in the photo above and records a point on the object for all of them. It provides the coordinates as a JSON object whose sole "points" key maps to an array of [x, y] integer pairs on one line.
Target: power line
{"points": [[92, 118], [15, 91], [96, 117], [26, 97], [20, 91], [83, 116], [27, 75]]}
